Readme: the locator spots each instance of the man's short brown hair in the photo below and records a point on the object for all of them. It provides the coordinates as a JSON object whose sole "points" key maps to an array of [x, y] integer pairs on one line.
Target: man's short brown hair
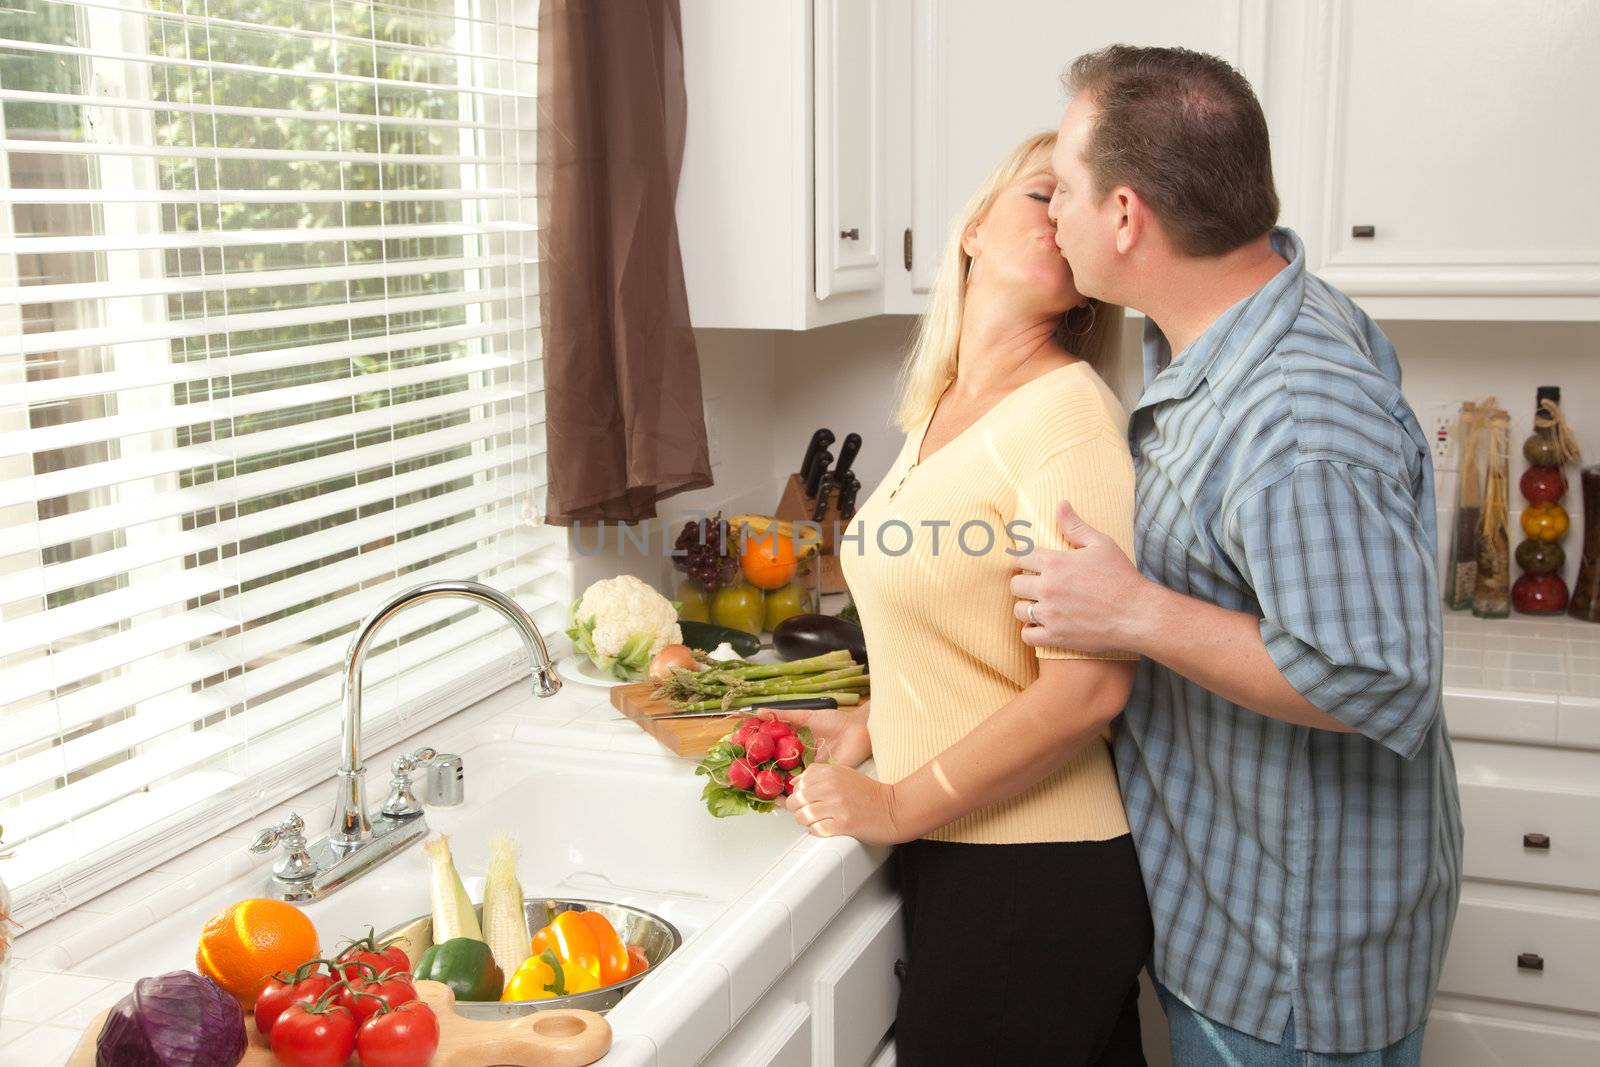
{"points": [[1185, 131]]}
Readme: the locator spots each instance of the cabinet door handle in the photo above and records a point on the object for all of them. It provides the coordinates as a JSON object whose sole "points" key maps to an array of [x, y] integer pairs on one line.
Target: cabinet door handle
{"points": [[852, 234], [1539, 841], [1363, 231], [900, 969], [1530, 961]]}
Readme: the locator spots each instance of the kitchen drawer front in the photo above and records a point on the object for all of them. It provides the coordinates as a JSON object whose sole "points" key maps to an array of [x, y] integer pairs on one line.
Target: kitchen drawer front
{"points": [[1525, 954], [855, 994], [1460, 1039], [1536, 837], [776, 1033]]}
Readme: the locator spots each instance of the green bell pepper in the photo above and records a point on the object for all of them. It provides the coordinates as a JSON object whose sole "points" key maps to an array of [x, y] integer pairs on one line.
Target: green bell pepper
{"points": [[466, 965]]}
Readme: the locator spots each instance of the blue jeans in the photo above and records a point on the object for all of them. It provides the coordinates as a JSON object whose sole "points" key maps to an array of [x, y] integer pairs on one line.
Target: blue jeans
{"points": [[1200, 1042]]}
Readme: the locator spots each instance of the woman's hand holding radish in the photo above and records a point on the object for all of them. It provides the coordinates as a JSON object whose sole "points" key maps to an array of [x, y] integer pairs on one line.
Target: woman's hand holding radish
{"points": [[830, 800], [841, 736]]}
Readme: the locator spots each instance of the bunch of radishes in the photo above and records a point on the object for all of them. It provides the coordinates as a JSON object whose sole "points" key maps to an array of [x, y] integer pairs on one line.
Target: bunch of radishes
{"points": [[754, 766]]}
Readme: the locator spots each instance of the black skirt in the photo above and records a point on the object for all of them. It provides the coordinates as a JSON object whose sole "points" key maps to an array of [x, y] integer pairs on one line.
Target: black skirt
{"points": [[1021, 954]]}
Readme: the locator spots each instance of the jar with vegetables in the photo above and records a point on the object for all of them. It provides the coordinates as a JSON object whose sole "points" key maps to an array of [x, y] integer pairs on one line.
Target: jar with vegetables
{"points": [[1540, 589]]}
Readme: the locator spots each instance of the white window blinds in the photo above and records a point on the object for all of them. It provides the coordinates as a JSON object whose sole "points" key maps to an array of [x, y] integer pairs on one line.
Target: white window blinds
{"points": [[271, 353]]}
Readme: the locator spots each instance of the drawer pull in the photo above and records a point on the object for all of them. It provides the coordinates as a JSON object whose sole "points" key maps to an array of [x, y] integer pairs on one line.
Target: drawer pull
{"points": [[900, 969], [1530, 961], [1538, 841], [1363, 231], [852, 234]]}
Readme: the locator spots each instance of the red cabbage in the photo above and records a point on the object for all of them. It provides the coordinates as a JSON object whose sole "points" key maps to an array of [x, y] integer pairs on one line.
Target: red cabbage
{"points": [[179, 1019]]}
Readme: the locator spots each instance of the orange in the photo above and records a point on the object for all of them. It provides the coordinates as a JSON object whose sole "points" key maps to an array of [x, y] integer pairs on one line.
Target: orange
{"points": [[244, 944], [768, 560]]}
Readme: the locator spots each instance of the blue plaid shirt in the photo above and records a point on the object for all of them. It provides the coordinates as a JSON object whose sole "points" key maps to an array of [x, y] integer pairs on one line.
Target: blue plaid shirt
{"points": [[1281, 473]]}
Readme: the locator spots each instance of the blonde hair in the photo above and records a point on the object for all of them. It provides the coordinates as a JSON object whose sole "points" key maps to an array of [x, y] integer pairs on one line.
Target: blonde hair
{"points": [[932, 361]]}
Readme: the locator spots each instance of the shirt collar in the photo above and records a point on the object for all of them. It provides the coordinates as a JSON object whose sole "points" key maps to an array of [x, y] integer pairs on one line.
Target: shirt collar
{"points": [[1236, 341]]}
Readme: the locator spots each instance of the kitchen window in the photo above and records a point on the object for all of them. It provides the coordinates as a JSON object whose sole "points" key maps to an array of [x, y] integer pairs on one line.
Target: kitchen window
{"points": [[272, 354]]}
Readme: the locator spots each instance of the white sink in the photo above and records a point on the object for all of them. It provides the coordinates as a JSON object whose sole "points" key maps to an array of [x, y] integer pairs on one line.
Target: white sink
{"points": [[622, 827]]}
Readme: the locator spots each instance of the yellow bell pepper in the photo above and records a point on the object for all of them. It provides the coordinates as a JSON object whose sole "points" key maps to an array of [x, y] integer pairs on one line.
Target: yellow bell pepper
{"points": [[1545, 522], [573, 942], [539, 978], [543, 976]]}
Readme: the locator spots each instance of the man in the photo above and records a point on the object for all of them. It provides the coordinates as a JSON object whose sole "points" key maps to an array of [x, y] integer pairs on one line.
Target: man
{"points": [[1283, 758]]}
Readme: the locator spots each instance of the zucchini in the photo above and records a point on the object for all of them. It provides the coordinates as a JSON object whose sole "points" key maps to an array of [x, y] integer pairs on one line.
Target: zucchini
{"points": [[706, 636], [804, 636]]}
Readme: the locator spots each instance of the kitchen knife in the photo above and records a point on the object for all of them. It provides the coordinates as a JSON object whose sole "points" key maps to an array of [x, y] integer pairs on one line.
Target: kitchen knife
{"points": [[847, 496], [806, 703], [847, 455], [829, 483], [819, 440], [818, 467]]}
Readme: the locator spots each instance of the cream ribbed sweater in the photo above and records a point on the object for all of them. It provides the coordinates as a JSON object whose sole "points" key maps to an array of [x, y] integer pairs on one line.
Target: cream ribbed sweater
{"points": [[945, 650]]}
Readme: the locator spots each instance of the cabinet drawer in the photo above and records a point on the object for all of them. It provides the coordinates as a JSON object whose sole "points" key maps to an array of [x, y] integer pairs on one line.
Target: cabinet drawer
{"points": [[1524, 954], [1532, 836], [856, 992], [1455, 1039]]}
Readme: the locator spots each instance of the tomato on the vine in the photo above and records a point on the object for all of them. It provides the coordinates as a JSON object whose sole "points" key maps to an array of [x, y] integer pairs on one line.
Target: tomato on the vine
{"points": [[396, 988], [314, 1035], [403, 1036], [285, 988], [381, 958]]}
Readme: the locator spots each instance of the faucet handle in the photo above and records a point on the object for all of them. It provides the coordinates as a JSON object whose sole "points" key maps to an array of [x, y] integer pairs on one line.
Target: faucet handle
{"points": [[402, 802], [296, 863]]}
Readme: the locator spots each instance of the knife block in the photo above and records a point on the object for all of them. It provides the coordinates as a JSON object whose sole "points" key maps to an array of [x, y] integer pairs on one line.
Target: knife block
{"points": [[795, 506]]}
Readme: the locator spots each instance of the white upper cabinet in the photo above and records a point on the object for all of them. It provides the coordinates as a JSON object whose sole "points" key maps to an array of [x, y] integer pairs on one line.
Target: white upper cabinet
{"points": [[1448, 155], [783, 158], [848, 71], [1441, 160], [986, 76]]}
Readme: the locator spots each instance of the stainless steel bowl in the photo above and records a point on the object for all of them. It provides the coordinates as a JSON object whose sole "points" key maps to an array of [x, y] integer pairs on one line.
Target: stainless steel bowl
{"points": [[655, 935]]}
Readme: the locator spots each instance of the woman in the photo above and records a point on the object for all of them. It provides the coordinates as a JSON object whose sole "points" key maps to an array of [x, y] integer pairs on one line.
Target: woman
{"points": [[1026, 918]]}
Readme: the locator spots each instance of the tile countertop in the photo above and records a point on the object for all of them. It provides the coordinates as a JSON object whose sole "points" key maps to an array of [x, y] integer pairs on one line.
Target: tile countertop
{"points": [[1523, 679], [1518, 680], [54, 990]]}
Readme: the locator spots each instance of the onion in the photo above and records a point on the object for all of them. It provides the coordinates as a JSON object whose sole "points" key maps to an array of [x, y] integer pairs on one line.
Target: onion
{"points": [[672, 658]]}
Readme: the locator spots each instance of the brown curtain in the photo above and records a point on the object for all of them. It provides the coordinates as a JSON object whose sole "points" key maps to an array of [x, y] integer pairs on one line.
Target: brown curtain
{"points": [[622, 378]]}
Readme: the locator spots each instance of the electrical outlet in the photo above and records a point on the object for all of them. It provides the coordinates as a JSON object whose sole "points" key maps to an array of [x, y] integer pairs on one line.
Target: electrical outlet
{"points": [[1439, 423]]}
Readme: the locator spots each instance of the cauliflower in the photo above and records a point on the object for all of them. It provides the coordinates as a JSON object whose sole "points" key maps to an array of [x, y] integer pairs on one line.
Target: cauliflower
{"points": [[621, 623]]}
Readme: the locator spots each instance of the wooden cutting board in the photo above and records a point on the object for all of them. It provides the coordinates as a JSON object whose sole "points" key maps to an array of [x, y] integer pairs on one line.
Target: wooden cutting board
{"points": [[560, 1037], [683, 737]]}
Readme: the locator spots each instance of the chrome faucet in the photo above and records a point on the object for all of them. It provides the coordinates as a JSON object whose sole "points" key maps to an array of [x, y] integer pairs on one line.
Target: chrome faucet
{"points": [[358, 841]]}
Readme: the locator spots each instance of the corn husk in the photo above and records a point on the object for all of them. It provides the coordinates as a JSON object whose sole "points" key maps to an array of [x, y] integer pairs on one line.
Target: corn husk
{"points": [[452, 908], [505, 920]]}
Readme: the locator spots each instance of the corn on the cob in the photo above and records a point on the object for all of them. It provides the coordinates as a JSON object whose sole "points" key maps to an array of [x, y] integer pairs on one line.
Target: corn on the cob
{"points": [[452, 908], [505, 922]]}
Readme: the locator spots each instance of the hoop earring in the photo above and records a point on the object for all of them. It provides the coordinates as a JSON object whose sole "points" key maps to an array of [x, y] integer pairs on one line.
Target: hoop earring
{"points": [[1089, 327]]}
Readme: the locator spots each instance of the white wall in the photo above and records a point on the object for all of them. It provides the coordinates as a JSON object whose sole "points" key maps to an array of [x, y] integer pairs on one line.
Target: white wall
{"points": [[766, 391], [844, 377]]}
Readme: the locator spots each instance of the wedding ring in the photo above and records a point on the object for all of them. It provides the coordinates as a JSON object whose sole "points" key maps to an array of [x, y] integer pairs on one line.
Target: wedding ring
{"points": [[1031, 617]]}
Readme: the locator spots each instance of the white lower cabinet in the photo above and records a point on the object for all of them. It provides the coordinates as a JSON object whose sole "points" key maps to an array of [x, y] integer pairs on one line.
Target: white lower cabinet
{"points": [[835, 1006], [1525, 948], [1469, 1039], [1521, 981]]}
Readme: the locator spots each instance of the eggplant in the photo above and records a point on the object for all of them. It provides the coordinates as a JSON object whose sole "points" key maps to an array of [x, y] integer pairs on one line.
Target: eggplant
{"points": [[804, 636], [706, 636]]}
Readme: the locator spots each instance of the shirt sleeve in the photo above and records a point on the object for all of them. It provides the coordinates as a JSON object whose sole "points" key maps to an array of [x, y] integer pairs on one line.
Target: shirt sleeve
{"points": [[1096, 477], [1342, 566]]}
